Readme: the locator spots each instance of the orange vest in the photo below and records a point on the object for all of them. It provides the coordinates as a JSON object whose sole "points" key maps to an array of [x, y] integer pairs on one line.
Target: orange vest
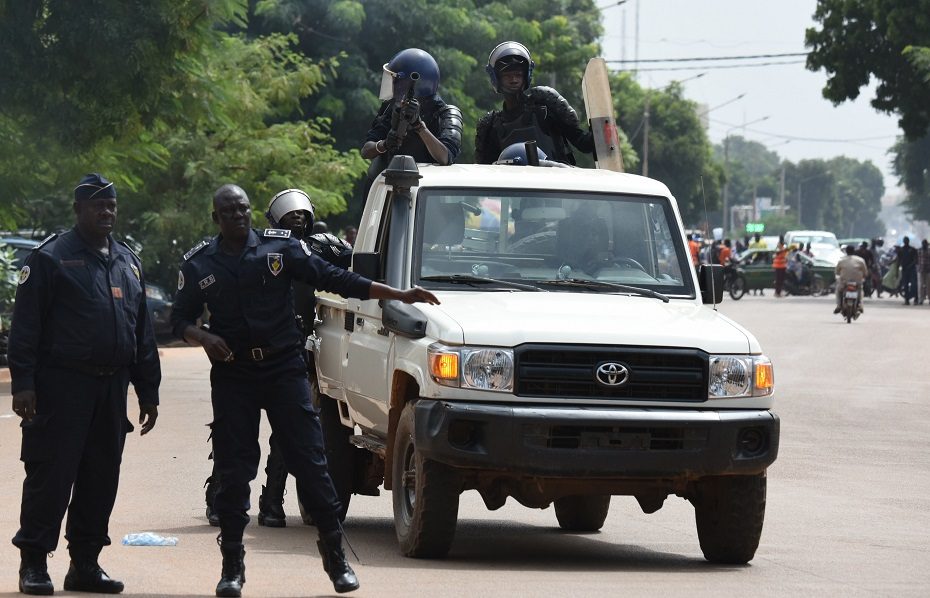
{"points": [[695, 248], [780, 260]]}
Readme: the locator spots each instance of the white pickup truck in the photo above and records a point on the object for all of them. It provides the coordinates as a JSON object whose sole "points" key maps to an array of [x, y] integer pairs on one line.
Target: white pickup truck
{"points": [[574, 357]]}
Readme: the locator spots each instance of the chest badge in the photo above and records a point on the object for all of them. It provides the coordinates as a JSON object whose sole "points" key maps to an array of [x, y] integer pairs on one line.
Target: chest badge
{"points": [[135, 271], [275, 263], [206, 282]]}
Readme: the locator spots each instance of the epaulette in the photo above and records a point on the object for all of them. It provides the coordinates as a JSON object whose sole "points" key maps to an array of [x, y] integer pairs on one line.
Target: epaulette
{"points": [[195, 249], [277, 233], [134, 254], [46, 241]]}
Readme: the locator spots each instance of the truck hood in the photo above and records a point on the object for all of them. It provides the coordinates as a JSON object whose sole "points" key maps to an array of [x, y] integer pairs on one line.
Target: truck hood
{"points": [[506, 319]]}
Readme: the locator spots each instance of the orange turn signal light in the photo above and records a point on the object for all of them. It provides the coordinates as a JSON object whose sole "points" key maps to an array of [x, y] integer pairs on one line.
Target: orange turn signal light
{"points": [[444, 366], [765, 376]]}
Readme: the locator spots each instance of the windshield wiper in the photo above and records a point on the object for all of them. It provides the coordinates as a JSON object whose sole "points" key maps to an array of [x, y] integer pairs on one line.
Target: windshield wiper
{"points": [[474, 280], [592, 284]]}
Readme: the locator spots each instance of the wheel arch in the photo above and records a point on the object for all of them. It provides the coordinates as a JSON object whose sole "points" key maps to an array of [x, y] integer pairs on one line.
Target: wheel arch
{"points": [[404, 389]]}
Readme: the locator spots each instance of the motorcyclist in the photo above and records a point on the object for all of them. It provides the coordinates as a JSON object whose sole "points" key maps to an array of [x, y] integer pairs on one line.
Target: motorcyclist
{"points": [[537, 114], [850, 268]]}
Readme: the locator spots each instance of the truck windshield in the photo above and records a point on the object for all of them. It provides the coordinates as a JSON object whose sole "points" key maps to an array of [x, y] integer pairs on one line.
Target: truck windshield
{"points": [[538, 236]]}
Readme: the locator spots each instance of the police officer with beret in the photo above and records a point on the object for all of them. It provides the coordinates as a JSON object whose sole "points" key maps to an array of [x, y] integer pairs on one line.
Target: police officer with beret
{"points": [[81, 333], [537, 114], [290, 209], [244, 277]]}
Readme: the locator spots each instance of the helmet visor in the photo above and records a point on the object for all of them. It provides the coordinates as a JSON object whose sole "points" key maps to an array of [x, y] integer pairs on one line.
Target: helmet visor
{"points": [[387, 83]]}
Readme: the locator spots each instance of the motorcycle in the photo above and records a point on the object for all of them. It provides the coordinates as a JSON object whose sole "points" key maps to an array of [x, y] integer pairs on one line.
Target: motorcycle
{"points": [[734, 281], [850, 308], [812, 284]]}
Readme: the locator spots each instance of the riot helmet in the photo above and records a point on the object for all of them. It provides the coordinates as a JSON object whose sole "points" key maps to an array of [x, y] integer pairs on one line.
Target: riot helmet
{"points": [[406, 67], [509, 55], [515, 155], [289, 200]]}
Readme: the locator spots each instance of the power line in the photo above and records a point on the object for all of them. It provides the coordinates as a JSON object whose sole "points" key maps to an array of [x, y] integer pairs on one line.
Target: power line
{"points": [[798, 138], [708, 66], [706, 58]]}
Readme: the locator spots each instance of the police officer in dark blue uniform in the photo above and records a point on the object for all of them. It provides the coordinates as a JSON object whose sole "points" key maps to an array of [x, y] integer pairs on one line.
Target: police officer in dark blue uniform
{"points": [[290, 209], [81, 333], [537, 114], [244, 277]]}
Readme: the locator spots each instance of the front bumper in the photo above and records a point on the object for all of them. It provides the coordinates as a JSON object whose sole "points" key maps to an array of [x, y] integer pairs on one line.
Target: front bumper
{"points": [[580, 442]]}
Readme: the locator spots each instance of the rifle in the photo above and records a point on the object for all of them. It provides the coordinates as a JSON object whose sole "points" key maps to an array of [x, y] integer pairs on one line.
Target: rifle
{"points": [[399, 125]]}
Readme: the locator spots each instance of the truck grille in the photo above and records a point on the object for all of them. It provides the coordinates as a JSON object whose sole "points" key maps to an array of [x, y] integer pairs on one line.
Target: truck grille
{"points": [[618, 438], [654, 374]]}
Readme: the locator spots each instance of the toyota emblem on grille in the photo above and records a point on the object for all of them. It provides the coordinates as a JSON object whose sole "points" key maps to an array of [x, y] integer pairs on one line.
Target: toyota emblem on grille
{"points": [[611, 373]]}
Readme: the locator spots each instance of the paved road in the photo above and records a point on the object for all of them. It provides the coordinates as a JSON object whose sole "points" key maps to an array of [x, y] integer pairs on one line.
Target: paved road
{"points": [[848, 501]]}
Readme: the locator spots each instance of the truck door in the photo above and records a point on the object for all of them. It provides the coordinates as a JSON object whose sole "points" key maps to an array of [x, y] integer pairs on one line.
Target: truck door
{"points": [[369, 353]]}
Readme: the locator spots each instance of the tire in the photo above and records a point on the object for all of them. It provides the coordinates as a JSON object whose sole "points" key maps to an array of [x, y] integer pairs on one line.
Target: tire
{"points": [[425, 494], [582, 513], [729, 511], [817, 286], [340, 454], [738, 287]]}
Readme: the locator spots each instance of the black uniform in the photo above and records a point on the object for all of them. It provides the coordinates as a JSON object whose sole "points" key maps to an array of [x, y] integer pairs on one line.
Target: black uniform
{"points": [[251, 306], [443, 120], [542, 116], [81, 333]]}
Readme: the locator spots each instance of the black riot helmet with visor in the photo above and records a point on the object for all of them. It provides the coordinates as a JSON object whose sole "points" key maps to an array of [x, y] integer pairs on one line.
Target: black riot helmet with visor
{"points": [[506, 56], [407, 66]]}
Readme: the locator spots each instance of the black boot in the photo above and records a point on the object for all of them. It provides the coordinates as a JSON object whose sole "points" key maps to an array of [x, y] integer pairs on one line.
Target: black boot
{"points": [[85, 575], [271, 509], [335, 563], [233, 576], [33, 574], [212, 485]]}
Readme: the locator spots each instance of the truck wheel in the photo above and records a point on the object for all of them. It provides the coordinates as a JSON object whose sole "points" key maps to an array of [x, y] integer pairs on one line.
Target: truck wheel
{"points": [[426, 497], [582, 513], [729, 511], [340, 454]]}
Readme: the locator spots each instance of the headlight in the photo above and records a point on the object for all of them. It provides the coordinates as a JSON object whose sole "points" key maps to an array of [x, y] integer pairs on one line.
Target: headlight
{"points": [[733, 376], [482, 368]]}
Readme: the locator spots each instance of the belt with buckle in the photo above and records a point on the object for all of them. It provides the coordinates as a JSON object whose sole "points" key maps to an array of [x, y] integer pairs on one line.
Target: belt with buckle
{"points": [[98, 371], [261, 353]]}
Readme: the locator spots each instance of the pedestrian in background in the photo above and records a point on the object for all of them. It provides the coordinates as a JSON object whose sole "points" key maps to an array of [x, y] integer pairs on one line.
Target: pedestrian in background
{"points": [[907, 257], [923, 272], [81, 333], [244, 277], [780, 265]]}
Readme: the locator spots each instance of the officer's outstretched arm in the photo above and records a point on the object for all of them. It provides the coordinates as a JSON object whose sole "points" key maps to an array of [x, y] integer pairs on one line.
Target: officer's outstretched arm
{"points": [[413, 295]]}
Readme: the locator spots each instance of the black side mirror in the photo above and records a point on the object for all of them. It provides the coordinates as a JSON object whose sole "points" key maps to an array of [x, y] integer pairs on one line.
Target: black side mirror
{"points": [[710, 277], [405, 320], [367, 265]]}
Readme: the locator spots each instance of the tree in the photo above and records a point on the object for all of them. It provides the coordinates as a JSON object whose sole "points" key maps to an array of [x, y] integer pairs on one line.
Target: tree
{"points": [[912, 166], [861, 39], [680, 155]]}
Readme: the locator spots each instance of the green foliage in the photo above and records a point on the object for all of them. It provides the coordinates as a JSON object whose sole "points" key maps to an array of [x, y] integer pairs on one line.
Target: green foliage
{"points": [[861, 39], [9, 277], [912, 166], [680, 154]]}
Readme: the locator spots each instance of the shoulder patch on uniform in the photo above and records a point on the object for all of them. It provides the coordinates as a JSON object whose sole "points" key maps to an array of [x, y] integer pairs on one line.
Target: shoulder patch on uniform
{"points": [[134, 254], [305, 247], [24, 274], [46, 240], [278, 233], [193, 251]]}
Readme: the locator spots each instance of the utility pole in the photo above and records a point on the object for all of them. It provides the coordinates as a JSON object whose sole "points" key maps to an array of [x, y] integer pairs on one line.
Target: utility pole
{"points": [[636, 47], [726, 180], [781, 193], [646, 138]]}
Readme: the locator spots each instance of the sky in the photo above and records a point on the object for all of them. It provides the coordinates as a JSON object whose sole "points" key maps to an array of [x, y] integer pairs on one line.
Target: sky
{"points": [[787, 96]]}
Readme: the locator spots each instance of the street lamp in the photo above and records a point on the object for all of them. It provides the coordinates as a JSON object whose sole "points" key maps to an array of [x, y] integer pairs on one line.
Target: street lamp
{"points": [[804, 180], [726, 168]]}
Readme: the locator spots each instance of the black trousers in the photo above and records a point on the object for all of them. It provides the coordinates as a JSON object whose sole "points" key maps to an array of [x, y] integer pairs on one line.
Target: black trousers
{"points": [[72, 450], [240, 390]]}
